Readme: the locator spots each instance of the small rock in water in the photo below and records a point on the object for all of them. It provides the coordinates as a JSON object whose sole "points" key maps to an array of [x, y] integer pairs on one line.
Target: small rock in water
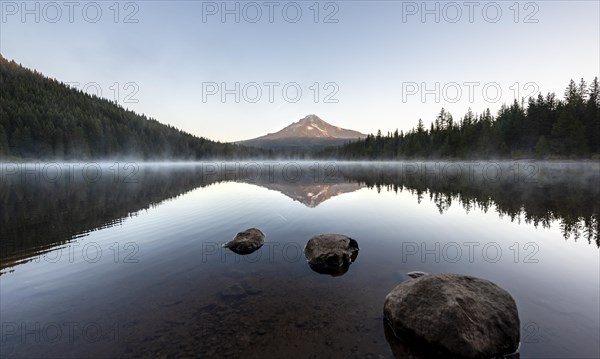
{"points": [[416, 274], [250, 289], [457, 315], [331, 253], [234, 291], [246, 242]]}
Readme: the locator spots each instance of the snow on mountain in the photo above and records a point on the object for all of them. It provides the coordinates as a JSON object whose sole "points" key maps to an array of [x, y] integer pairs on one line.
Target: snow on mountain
{"points": [[311, 126]]}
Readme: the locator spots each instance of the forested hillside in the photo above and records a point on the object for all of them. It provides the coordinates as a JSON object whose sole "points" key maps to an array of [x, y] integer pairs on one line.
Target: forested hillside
{"points": [[542, 127], [42, 118]]}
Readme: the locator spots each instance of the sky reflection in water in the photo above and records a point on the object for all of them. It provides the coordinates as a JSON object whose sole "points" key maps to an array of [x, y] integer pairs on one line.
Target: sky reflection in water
{"points": [[141, 261]]}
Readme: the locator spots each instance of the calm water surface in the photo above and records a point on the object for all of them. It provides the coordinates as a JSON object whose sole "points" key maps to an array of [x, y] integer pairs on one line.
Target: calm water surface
{"points": [[130, 264]]}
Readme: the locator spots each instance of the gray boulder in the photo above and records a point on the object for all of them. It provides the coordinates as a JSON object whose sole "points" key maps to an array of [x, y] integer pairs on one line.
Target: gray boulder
{"points": [[458, 315], [246, 242], [331, 253]]}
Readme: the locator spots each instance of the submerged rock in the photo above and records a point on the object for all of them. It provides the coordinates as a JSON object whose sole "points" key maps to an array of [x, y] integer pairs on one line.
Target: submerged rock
{"points": [[246, 242], [331, 253], [234, 291], [251, 289], [238, 290], [460, 316]]}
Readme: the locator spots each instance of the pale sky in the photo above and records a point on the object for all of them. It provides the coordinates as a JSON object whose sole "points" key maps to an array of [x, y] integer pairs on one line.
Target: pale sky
{"points": [[370, 60]]}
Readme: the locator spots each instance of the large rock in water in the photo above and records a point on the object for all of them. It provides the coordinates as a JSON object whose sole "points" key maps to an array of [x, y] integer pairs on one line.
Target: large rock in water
{"points": [[246, 242], [331, 253], [463, 316]]}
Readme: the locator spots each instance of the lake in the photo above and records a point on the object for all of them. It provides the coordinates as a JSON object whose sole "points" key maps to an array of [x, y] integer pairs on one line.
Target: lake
{"points": [[125, 259]]}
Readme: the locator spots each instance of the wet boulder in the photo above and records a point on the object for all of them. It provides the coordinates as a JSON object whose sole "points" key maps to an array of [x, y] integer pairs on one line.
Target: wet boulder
{"points": [[246, 242], [331, 253], [457, 315]]}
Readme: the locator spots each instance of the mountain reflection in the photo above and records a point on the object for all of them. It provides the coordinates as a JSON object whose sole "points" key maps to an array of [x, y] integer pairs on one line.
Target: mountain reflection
{"points": [[311, 194], [39, 212]]}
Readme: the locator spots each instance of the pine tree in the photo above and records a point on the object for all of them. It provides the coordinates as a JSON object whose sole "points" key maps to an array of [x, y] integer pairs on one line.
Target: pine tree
{"points": [[420, 127], [582, 90], [572, 93], [592, 117], [3, 142]]}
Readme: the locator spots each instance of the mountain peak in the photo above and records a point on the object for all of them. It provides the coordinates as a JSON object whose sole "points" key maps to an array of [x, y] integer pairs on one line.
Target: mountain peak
{"points": [[310, 128], [311, 119]]}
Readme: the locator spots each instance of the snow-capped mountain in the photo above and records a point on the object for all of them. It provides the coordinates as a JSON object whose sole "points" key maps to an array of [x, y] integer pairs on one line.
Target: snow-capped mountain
{"points": [[309, 131]]}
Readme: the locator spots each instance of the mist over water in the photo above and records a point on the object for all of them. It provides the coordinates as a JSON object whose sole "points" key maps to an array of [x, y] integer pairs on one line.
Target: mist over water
{"points": [[131, 253]]}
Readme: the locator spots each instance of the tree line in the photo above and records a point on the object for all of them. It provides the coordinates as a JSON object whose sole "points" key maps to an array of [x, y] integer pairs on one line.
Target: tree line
{"points": [[42, 118], [541, 127]]}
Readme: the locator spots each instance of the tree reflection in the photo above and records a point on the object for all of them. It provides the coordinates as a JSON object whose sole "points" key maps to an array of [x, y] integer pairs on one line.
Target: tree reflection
{"points": [[36, 215], [566, 193]]}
